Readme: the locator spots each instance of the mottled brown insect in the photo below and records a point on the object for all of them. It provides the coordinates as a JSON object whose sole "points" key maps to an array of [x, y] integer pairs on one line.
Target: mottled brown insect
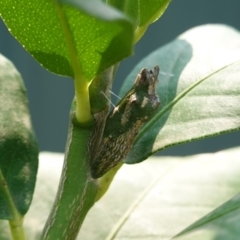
{"points": [[125, 121]]}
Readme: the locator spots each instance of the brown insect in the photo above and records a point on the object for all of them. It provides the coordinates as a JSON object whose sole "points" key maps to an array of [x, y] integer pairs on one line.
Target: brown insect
{"points": [[125, 121]]}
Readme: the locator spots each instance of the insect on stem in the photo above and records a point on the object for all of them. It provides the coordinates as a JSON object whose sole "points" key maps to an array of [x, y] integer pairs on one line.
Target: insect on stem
{"points": [[124, 122]]}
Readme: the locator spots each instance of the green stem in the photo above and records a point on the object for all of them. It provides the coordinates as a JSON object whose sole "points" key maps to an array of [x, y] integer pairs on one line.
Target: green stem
{"points": [[16, 223], [77, 190], [106, 180], [83, 110]]}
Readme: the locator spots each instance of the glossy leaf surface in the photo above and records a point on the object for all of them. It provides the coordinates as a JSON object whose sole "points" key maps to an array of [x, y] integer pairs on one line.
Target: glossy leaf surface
{"points": [[201, 99], [69, 35]]}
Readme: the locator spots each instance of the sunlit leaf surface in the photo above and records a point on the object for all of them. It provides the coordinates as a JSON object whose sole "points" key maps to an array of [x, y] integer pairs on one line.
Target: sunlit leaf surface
{"points": [[152, 200], [63, 35]]}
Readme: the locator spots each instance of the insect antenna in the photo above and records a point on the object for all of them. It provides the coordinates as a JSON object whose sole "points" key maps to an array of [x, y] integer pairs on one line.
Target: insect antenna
{"points": [[115, 108], [114, 94], [108, 99]]}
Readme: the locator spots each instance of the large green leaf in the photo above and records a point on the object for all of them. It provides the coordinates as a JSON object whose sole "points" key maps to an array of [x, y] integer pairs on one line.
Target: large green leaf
{"points": [[202, 99], [152, 200], [18, 147], [220, 224], [69, 35]]}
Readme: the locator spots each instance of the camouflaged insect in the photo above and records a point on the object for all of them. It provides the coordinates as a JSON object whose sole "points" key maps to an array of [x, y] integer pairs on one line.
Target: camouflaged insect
{"points": [[125, 121]]}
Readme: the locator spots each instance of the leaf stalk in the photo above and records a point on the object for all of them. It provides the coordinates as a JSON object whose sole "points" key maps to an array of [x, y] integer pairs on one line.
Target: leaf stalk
{"points": [[16, 223]]}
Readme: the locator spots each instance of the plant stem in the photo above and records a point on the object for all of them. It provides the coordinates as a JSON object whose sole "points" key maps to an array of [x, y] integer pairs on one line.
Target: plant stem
{"points": [[81, 84], [16, 222], [106, 180], [77, 190], [17, 229]]}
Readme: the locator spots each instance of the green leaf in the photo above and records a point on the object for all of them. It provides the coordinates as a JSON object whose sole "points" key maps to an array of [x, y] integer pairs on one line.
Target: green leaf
{"points": [[202, 98], [70, 36], [143, 12], [18, 146], [151, 10], [220, 224], [129, 7], [152, 200]]}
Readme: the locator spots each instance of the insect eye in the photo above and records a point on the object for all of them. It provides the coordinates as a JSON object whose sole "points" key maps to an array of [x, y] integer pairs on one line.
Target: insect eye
{"points": [[133, 99]]}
